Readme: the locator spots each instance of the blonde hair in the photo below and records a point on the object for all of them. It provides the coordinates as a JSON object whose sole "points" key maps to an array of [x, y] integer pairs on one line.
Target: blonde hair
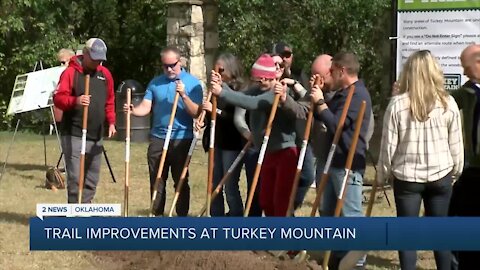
{"points": [[64, 51], [422, 78]]}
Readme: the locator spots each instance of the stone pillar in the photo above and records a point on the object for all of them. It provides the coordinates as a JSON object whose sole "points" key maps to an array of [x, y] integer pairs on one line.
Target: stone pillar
{"points": [[210, 26], [185, 30]]}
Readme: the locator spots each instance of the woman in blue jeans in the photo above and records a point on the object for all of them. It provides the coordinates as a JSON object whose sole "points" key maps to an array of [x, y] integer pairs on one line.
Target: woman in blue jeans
{"points": [[422, 146], [228, 141], [250, 160]]}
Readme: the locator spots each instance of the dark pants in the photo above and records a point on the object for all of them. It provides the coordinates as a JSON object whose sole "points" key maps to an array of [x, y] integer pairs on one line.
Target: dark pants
{"points": [[175, 159], [71, 147], [436, 198], [307, 177], [250, 161], [465, 202]]}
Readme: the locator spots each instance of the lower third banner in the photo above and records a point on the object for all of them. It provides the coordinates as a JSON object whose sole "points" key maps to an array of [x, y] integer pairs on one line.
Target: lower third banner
{"points": [[117, 233]]}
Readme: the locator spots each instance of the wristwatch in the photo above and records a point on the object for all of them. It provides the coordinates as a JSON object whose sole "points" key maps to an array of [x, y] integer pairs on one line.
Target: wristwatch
{"points": [[320, 102]]}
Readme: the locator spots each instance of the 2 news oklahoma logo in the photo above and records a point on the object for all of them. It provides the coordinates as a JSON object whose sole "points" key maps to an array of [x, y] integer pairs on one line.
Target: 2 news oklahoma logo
{"points": [[452, 81]]}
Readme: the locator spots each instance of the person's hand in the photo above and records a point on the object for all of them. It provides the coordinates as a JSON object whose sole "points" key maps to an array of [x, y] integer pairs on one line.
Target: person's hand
{"points": [[318, 80], [207, 106], [247, 136], [395, 88], [127, 108], [180, 88], [281, 89], [316, 94], [199, 124], [216, 88], [111, 130], [312, 79], [288, 81], [83, 100], [216, 77]]}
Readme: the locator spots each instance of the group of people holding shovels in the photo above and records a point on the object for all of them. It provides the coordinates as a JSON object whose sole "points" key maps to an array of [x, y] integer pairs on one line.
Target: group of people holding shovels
{"points": [[276, 124]]}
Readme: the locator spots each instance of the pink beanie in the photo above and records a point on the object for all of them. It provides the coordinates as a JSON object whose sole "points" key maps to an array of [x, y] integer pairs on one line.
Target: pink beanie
{"points": [[264, 67]]}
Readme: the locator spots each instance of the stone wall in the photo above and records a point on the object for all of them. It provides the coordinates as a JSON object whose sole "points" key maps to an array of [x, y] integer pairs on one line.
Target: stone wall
{"points": [[185, 30], [210, 27], [192, 27]]}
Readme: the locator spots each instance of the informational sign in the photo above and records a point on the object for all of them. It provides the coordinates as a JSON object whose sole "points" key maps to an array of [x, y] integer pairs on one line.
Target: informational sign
{"points": [[33, 91], [444, 27]]}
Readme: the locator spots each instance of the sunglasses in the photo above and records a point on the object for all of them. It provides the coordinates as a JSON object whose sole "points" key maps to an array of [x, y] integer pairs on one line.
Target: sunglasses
{"points": [[286, 54], [279, 65], [172, 66]]}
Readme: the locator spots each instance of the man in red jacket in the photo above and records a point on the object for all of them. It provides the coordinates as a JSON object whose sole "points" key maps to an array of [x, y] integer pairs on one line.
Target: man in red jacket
{"points": [[70, 98]]}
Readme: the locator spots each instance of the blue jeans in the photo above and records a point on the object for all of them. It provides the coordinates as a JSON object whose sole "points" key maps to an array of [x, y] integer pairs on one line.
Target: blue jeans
{"points": [[352, 204], [250, 160], [306, 178], [223, 160]]}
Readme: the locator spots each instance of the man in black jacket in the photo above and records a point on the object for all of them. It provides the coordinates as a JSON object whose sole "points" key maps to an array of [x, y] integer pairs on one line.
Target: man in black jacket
{"points": [[344, 72]]}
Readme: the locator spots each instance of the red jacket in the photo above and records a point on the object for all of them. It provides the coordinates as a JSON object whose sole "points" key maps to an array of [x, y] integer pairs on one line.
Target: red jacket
{"points": [[63, 98], [102, 101]]}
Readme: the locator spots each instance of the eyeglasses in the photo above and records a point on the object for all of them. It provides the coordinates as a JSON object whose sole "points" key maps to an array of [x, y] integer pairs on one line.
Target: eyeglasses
{"points": [[172, 66], [286, 54]]}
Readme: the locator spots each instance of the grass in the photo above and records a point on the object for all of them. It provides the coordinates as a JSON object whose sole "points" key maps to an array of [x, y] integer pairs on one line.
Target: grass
{"points": [[21, 188]]}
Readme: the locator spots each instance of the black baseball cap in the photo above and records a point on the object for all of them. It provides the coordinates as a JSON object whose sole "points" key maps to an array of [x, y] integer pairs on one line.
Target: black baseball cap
{"points": [[281, 47]]}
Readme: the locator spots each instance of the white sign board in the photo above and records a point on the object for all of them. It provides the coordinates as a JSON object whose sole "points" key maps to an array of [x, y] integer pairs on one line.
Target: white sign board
{"points": [[33, 91], [444, 28]]}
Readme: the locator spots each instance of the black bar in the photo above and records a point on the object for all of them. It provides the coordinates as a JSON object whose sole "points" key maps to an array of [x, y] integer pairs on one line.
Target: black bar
{"points": [[393, 45], [108, 163]]}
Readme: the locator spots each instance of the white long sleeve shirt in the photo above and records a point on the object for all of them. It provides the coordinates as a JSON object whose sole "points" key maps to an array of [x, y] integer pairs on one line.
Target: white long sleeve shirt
{"points": [[417, 151]]}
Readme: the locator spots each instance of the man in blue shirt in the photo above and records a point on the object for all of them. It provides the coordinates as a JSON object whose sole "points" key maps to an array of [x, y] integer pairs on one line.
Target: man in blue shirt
{"points": [[159, 99]]}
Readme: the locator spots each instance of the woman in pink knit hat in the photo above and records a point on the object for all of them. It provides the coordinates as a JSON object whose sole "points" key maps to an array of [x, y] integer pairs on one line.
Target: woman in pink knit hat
{"points": [[281, 157]]}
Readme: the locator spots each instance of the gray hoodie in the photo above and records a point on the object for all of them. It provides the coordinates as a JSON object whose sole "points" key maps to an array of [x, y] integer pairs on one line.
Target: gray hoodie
{"points": [[259, 103]]}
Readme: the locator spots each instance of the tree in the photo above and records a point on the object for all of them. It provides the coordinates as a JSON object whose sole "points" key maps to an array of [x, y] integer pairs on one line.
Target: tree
{"points": [[312, 28], [135, 31], [34, 30]]}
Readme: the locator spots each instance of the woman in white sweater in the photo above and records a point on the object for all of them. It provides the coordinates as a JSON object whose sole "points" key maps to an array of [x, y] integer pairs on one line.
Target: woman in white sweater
{"points": [[422, 146]]}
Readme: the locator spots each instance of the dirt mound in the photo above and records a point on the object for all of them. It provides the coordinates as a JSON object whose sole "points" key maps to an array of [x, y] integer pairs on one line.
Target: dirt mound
{"points": [[180, 260]]}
